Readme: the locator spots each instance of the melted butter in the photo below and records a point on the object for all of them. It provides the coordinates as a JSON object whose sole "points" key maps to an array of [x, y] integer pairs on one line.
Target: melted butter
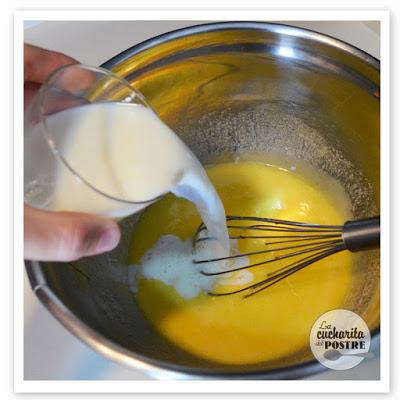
{"points": [[271, 324]]}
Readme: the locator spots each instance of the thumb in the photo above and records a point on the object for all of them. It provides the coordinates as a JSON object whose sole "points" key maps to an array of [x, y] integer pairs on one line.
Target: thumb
{"points": [[66, 236]]}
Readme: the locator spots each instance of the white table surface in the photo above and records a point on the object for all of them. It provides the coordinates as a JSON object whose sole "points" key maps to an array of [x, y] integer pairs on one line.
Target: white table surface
{"points": [[50, 351]]}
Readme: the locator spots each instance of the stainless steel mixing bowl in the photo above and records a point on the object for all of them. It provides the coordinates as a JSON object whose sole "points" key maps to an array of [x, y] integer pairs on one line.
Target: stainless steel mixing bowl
{"points": [[227, 88]]}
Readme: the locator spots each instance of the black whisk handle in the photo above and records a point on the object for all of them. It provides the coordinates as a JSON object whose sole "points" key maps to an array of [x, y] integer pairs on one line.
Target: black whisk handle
{"points": [[363, 234]]}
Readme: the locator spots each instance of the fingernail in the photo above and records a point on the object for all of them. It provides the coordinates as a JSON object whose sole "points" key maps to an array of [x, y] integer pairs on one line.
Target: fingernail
{"points": [[108, 240]]}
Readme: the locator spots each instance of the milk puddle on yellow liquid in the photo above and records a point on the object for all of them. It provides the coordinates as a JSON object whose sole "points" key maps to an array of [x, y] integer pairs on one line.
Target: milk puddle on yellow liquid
{"points": [[271, 325], [125, 151], [171, 261]]}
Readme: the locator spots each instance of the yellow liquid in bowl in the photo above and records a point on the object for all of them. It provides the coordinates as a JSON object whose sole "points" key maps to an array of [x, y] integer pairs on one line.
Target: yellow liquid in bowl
{"points": [[274, 323]]}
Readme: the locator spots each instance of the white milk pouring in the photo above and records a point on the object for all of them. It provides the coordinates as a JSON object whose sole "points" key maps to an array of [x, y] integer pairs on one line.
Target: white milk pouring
{"points": [[125, 152]]}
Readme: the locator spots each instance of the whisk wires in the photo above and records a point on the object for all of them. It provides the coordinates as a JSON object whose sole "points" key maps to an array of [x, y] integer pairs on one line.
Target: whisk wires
{"points": [[302, 243]]}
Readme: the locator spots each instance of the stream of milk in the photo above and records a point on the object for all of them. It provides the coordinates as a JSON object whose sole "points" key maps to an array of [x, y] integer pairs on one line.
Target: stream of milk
{"points": [[127, 153]]}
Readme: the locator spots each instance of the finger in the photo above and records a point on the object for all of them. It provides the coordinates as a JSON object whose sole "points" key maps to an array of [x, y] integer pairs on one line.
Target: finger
{"points": [[30, 89], [76, 78], [40, 63], [55, 101], [66, 236]]}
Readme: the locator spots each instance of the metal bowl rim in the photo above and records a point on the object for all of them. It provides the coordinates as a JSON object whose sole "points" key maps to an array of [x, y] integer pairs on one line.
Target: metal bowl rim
{"points": [[119, 354], [243, 25]]}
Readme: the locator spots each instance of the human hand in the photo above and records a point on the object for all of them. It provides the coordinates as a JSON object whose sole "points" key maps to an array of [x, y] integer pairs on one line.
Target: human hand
{"points": [[59, 236], [66, 236]]}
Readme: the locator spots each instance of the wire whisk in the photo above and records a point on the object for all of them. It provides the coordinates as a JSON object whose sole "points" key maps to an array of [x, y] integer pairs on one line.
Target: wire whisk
{"points": [[287, 240]]}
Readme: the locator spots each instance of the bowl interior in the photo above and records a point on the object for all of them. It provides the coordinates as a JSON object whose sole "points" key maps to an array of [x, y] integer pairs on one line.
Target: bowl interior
{"points": [[256, 89]]}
